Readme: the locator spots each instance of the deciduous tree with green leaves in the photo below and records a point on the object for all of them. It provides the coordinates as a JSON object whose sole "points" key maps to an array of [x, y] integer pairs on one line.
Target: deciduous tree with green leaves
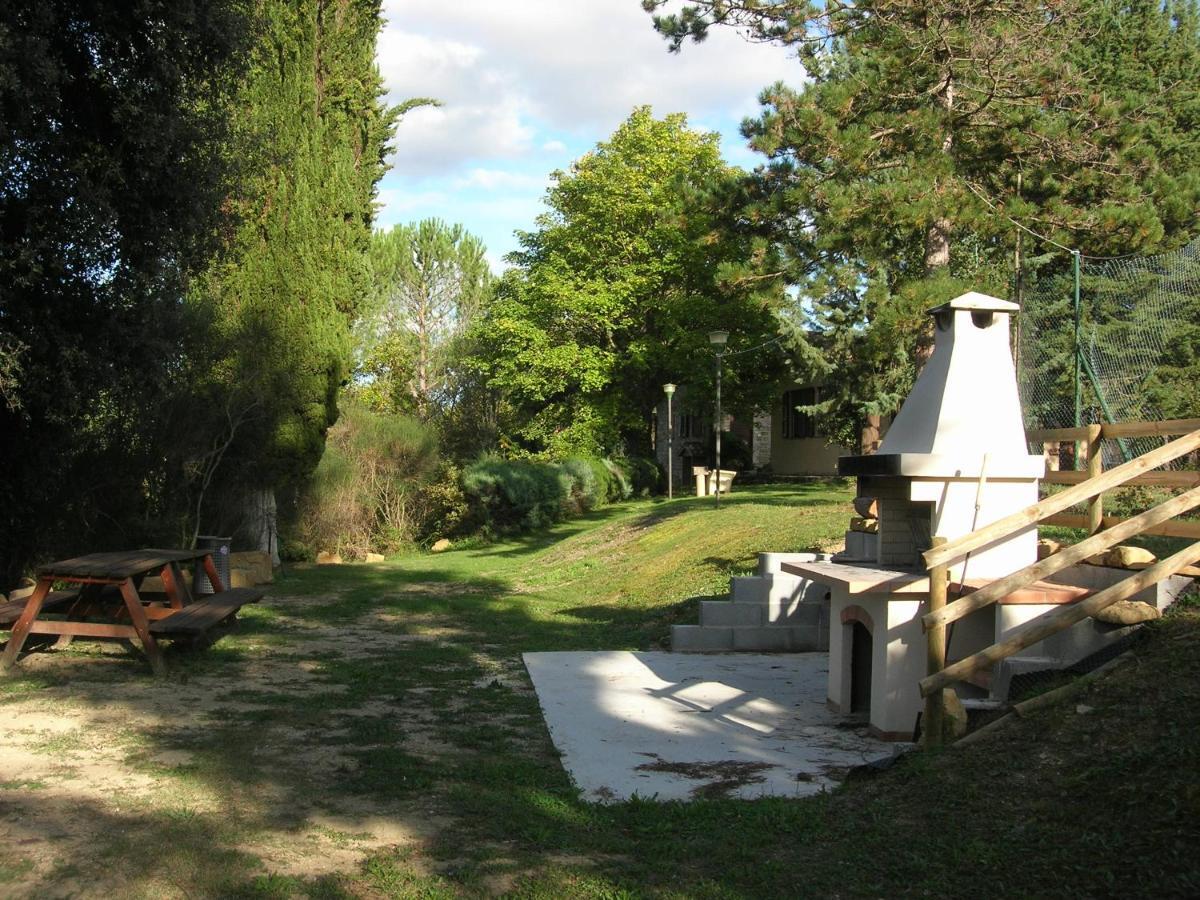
{"points": [[112, 124], [614, 293]]}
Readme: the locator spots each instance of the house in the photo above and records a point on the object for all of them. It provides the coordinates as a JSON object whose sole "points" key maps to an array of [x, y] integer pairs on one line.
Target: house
{"points": [[783, 441]]}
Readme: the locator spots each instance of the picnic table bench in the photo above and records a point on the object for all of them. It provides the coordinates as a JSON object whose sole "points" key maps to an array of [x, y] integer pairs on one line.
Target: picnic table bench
{"points": [[55, 600], [107, 603]]}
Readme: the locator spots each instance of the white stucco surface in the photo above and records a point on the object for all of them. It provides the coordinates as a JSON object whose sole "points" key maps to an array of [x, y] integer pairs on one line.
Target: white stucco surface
{"points": [[680, 726]]}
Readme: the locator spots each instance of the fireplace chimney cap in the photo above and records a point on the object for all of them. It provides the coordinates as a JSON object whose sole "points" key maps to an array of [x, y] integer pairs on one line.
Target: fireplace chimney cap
{"points": [[977, 302]]}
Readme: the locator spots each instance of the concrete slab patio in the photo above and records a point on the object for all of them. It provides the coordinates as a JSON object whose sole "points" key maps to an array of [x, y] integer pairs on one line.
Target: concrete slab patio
{"points": [[685, 726]]}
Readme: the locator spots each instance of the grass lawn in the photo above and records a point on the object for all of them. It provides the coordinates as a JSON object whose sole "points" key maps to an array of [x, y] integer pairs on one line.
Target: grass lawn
{"points": [[369, 731]]}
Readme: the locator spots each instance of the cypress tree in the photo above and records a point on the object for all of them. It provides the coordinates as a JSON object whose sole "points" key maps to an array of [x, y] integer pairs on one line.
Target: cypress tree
{"points": [[312, 133]]}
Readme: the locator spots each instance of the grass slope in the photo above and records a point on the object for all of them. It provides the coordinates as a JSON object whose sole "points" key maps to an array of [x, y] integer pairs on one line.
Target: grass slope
{"points": [[393, 696]]}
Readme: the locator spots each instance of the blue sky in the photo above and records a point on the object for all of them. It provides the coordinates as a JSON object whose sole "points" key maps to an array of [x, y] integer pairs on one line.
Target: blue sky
{"points": [[527, 86]]}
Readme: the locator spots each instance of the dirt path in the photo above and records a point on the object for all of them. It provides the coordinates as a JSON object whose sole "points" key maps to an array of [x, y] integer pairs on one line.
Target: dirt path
{"points": [[232, 769]]}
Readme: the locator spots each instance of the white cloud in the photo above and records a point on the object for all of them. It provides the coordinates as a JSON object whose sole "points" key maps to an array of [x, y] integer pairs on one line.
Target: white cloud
{"points": [[507, 70], [526, 85], [501, 180]]}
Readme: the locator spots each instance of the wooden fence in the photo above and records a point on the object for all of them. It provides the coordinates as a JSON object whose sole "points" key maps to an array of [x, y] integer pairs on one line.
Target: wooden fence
{"points": [[1086, 486]]}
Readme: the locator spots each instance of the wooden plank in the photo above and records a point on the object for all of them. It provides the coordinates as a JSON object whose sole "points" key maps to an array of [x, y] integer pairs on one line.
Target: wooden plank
{"points": [[1187, 571], [33, 608], [1063, 559], [205, 613], [1095, 466], [1180, 529], [55, 600], [83, 629], [1041, 435], [141, 625], [1063, 617], [935, 654], [177, 590], [1184, 479], [1056, 503], [214, 577], [117, 566], [1149, 429]]}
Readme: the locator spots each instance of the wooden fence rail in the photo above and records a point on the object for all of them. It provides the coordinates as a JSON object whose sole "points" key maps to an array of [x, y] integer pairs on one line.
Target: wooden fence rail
{"points": [[1104, 532]]}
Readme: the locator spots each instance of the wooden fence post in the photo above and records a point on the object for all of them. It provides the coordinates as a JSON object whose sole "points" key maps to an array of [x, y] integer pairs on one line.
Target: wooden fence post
{"points": [[939, 580], [1095, 466]]}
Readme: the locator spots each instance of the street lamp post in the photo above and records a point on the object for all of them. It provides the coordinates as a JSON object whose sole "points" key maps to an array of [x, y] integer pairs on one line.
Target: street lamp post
{"points": [[669, 389], [718, 340]]}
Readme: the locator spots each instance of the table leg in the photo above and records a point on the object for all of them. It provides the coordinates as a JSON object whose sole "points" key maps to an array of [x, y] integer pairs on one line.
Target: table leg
{"points": [[141, 625], [210, 569], [177, 589], [33, 608]]}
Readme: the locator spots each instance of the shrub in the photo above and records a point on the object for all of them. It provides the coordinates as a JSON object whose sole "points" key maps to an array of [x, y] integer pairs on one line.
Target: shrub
{"points": [[517, 493], [366, 492], [592, 483], [444, 510], [644, 475]]}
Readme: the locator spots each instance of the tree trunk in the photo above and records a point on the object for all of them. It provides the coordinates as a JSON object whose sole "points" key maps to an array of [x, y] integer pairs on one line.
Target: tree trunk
{"points": [[937, 236], [259, 526], [870, 434]]}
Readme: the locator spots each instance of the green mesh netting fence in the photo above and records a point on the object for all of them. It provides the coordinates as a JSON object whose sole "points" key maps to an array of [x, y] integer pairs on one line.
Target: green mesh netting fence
{"points": [[1130, 353]]}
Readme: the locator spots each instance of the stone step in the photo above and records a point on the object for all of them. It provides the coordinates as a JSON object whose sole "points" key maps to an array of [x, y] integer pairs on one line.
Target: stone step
{"points": [[746, 638], [724, 612], [701, 639], [769, 563], [749, 589], [803, 614], [780, 638], [776, 611]]}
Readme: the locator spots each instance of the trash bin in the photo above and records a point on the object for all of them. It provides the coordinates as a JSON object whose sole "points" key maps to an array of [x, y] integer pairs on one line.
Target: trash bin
{"points": [[219, 546]]}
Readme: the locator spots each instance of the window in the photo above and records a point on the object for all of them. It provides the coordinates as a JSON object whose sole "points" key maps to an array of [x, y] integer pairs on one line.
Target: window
{"points": [[795, 423], [689, 426]]}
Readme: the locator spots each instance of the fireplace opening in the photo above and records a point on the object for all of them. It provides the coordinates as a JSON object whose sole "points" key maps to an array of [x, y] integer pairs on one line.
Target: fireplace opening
{"points": [[860, 668]]}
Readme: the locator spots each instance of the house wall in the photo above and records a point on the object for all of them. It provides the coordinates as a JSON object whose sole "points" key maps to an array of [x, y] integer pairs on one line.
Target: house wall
{"points": [[803, 456], [800, 455]]}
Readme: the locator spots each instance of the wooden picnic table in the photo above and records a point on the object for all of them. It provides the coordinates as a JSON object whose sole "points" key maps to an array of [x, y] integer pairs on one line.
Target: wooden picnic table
{"points": [[107, 602]]}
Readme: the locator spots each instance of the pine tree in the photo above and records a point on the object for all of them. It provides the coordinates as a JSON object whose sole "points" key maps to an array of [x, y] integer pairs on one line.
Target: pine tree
{"points": [[893, 172], [430, 282]]}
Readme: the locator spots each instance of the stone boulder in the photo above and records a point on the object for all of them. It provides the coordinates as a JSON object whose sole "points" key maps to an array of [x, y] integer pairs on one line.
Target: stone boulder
{"points": [[1123, 558], [248, 568], [23, 590], [867, 507], [1127, 612], [325, 558], [440, 546], [374, 558], [1048, 547]]}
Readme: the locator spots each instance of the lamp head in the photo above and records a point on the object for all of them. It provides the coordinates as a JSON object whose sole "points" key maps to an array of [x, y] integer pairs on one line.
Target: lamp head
{"points": [[718, 339], [668, 389]]}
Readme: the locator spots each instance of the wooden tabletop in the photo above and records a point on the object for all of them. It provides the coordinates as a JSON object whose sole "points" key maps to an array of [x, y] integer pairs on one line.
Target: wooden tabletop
{"points": [[119, 565]]}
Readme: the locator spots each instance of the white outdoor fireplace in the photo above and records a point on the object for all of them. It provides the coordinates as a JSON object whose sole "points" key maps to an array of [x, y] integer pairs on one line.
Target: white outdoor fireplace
{"points": [[955, 459]]}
